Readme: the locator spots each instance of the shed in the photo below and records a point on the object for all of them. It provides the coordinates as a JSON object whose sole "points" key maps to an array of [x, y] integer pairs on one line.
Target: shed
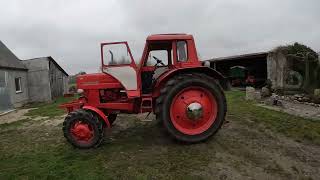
{"points": [[47, 80]]}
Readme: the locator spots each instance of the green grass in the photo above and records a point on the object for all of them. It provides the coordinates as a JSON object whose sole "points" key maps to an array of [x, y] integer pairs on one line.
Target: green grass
{"points": [[298, 128], [49, 110], [12, 125]]}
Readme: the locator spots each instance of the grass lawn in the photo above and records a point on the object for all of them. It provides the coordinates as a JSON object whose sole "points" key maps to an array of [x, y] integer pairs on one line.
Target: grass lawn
{"points": [[49, 110], [298, 128], [142, 150]]}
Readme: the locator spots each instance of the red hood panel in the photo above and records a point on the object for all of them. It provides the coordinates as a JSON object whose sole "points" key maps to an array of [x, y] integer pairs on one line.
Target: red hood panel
{"points": [[97, 81]]}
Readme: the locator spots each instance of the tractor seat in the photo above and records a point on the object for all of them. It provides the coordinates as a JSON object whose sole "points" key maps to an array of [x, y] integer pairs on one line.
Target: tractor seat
{"points": [[159, 71]]}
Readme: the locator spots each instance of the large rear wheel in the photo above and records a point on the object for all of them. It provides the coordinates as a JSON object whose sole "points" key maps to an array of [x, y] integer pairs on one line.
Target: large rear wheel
{"points": [[192, 107], [83, 129]]}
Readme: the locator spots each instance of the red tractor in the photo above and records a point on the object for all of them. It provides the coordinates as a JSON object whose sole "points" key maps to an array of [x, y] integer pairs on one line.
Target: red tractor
{"points": [[169, 81]]}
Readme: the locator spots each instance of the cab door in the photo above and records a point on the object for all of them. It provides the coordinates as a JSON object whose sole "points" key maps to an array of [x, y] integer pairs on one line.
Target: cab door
{"points": [[118, 62]]}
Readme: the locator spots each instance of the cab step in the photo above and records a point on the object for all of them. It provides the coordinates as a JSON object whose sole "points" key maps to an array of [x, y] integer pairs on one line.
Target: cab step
{"points": [[146, 103]]}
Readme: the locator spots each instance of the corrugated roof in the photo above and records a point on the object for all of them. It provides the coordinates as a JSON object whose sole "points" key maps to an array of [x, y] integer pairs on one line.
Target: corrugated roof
{"points": [[9, 60], [242, 56]]}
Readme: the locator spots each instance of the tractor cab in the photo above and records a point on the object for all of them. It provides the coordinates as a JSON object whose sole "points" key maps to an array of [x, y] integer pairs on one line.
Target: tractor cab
{"points": [[162, 53]]}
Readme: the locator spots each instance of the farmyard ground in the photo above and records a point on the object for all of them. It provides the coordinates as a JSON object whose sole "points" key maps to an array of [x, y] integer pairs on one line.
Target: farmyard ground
{"points": [[255, 143]]}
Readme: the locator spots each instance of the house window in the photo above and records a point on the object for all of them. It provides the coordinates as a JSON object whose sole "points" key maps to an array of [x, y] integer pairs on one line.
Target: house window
{"points": [[182, 51], [18, 84]]}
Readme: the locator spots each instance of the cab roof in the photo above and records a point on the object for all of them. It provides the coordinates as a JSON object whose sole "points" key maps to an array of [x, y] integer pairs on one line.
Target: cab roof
{"points": [[176, 36]]}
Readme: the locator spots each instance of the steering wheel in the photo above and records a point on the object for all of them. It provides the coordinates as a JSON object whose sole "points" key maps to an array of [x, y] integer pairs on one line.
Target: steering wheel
{"points": [[158, 61]]}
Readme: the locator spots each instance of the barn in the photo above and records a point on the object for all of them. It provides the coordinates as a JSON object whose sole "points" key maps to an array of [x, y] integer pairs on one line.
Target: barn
{"points": [[288, 74], [254, 63]]}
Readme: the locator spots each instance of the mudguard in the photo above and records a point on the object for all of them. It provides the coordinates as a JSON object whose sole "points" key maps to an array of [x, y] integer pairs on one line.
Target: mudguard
{"points": [[202, 69], [99, 112]]}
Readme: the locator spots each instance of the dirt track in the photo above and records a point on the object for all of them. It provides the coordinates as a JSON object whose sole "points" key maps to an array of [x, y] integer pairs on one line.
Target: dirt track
{"points": [[245, 152]]}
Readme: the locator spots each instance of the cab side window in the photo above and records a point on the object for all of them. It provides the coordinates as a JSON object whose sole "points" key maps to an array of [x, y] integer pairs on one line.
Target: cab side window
{"points": [[182, 51]]}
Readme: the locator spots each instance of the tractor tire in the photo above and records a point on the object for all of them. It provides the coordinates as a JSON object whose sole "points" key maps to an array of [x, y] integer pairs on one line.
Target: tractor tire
{"points": [[112, 118], [83, 129], [192, 107]]}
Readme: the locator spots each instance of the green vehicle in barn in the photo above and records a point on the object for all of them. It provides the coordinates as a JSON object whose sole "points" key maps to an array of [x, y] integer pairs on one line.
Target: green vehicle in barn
{"points": [[238, 75]]}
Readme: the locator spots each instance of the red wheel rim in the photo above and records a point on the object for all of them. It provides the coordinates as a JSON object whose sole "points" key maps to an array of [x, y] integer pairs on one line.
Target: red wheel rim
{"points": [[183, 100], [82, 132]]}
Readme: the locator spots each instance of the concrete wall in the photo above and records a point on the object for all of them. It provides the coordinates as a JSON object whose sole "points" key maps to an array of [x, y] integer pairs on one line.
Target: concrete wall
{"points": [[277, 67], [38, 76], [46, 80], [17, 99]]}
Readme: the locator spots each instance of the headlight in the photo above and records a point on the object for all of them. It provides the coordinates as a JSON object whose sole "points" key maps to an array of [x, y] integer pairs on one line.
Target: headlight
{"points": [[79, 91]]}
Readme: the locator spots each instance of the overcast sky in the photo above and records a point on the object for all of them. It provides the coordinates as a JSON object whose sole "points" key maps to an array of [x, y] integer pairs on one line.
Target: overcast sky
{"points": [[70, 31]]}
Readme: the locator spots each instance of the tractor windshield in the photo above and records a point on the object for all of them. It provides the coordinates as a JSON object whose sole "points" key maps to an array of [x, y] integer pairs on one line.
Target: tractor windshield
{"points": [[116, 54]]}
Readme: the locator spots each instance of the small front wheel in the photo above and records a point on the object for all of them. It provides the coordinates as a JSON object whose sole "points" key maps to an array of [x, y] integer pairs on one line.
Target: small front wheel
{"points": [[83, 129]]}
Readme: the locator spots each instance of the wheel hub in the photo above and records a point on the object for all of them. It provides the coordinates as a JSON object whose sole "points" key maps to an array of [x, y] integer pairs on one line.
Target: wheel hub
{"points": [[194, 111], [82, 132]]}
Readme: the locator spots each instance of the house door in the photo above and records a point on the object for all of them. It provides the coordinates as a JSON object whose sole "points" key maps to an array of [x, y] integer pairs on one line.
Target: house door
{"points": [[5, 101]]}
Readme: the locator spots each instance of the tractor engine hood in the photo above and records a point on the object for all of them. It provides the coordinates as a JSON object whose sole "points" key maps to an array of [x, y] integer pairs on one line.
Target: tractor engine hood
{"points": [[97, 81]]}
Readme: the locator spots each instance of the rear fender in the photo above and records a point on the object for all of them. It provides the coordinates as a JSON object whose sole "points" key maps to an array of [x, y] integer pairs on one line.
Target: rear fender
{"points": [[99, 113], [202, 69]]}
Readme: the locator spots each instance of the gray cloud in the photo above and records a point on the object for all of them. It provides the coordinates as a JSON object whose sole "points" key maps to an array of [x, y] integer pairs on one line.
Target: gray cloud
{"points": [[71, 31]]}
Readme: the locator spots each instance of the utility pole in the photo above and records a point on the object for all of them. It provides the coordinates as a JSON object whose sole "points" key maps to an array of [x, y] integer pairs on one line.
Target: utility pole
{"points": [[307, 70]]}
